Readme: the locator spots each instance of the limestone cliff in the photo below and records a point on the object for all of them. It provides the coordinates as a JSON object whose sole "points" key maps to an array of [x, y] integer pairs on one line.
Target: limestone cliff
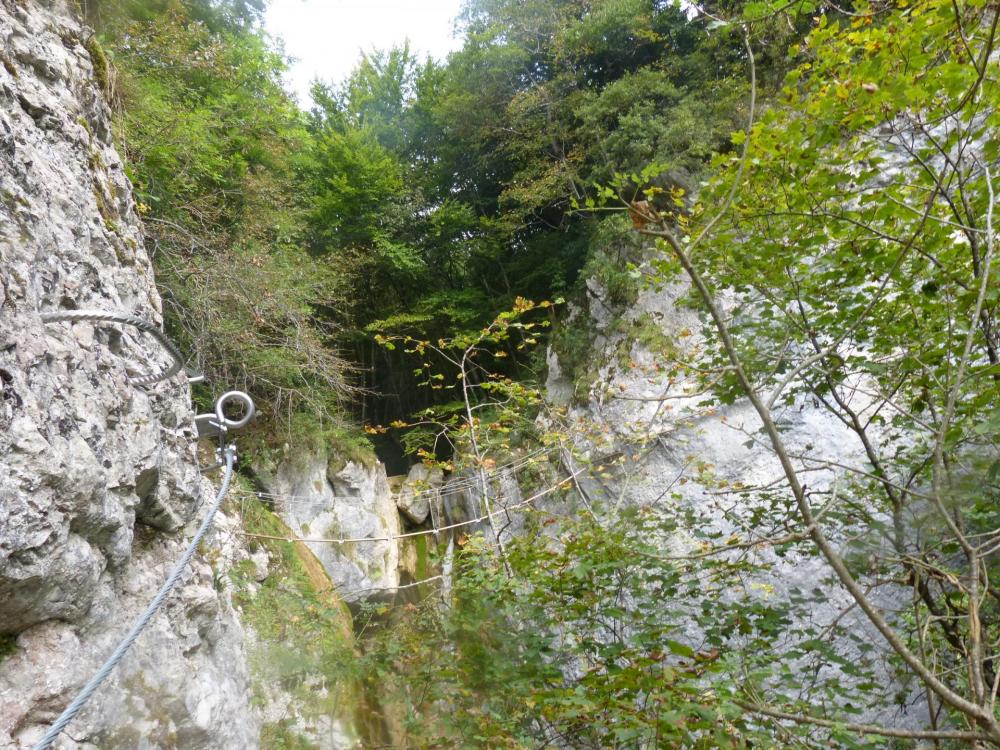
{"points": [[98, 477], [679, 456], [321, 497]]}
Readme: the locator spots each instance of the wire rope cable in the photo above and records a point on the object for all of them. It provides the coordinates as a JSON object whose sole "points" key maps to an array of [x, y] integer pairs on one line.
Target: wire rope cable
{"points": [[561, 484], [140, 624], [105, 316], [450, 487]]}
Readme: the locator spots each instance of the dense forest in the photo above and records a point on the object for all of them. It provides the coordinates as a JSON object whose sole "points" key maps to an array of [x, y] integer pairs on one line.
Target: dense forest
{"points": [[416, 197], [820, 175]]}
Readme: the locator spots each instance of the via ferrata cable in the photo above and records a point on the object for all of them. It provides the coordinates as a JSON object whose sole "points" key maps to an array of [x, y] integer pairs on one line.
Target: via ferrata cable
{"points": [[229, 457]]}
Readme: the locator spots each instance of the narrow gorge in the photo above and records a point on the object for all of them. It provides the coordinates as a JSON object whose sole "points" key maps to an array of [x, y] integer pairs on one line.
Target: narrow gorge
{"points": [[626, 379]]}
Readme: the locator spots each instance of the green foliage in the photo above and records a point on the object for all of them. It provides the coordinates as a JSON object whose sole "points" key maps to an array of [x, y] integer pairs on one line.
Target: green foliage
{"points": [[280, 735], [415, 198], [466, 368], [619, 285], [8, 645], [647, 331], [573, 341], [590, 632], [216, 15], [357, 179], [418, 203], [101, 65], [856, 239], [577, 107], [889, 287], [451, 187], [588, 639], [301, 437], [214, 149]]}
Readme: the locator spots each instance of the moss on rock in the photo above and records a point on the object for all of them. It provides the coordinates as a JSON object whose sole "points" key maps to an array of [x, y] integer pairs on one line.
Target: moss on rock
{"points": [[304, 631], [102, 67]]}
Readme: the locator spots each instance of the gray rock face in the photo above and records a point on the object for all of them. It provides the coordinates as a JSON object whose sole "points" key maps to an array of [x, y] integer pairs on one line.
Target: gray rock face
{"points": [[324, 732], [413, 499], [558, 388], [84, 454], [92, 469], [320, 500], [183, 684], [687, 451]]}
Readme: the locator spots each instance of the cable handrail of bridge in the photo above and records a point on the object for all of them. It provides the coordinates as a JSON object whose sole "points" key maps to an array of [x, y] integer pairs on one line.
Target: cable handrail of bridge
{"points": [[563, 483], [448, 487]]}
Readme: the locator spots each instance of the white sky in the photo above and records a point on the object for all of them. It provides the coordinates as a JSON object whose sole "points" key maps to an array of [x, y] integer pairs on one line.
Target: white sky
{"points": [[326, 37]]}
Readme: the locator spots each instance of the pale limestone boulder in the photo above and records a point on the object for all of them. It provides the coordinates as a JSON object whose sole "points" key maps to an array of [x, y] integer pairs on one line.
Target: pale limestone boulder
{"points": [[415, 494], [320, 497]]}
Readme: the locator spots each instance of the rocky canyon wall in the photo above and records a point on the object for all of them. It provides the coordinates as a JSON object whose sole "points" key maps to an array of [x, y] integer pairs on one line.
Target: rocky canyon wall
{"points": [[98, 477]]}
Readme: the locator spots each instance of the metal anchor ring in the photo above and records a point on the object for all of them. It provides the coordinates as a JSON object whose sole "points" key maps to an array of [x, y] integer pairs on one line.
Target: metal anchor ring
{"points": [[217, 423]]}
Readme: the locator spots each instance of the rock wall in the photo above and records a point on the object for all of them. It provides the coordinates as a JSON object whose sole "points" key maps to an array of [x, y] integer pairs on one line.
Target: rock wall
{"points": [[319, 496], [96, 476], [678, 456]]}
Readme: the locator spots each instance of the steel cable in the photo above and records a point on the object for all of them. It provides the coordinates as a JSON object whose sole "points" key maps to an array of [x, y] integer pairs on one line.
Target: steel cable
{"points": [[104, 316], [95, 682], [451, 486], [562, 483]]}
